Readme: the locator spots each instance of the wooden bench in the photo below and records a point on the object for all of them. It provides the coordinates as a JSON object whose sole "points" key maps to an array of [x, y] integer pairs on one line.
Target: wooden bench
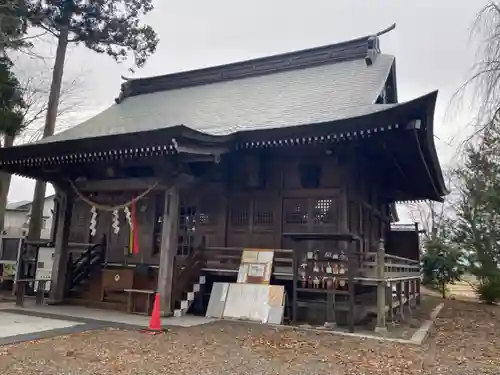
{"points": [[131, 305]]}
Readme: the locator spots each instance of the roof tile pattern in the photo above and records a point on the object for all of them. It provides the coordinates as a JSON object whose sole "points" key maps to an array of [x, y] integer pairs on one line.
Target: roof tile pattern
{"points": [[296, 97]]}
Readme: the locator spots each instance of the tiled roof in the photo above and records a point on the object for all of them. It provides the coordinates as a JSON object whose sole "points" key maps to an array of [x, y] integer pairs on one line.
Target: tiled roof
{"points": [[337, 84], [17, 205]]}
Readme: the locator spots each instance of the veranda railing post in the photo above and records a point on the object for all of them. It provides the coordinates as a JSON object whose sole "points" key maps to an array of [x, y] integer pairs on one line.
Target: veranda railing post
{"points": [[381, 288]]}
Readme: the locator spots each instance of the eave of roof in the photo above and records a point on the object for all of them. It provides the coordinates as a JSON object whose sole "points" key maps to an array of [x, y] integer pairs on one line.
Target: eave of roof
{"points": [[394, 213], [24, 210], [360, 122], [17, 205], [382, 119]]}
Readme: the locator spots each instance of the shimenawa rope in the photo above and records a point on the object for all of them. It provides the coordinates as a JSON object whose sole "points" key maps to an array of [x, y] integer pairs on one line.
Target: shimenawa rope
{"points": [[103, 207]]}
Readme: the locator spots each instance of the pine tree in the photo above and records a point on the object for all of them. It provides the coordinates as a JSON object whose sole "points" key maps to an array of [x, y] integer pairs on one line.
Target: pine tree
{"points": [[13, 26], [442, 261], [477, 230], [111, 27], [11, 101]]}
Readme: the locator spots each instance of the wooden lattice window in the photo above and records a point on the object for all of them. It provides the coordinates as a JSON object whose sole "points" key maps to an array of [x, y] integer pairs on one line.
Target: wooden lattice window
{"points": [[158, 223], [187, 229], [240, 213], [324, 211], [208, 209], [204, 218], [263, 214], [295, 211]]}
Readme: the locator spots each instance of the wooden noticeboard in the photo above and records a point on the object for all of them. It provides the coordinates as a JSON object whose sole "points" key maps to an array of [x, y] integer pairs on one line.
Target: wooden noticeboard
{"points": [[256, 266]]}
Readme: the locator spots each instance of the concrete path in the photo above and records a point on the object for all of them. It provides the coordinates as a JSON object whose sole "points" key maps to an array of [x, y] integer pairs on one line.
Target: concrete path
{"points": [[18, 327], [12, 324], [35, 322], [115, 317]]}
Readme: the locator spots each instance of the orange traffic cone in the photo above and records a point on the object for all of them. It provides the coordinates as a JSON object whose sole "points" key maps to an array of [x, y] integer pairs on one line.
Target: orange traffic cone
{"points": [[155, 321]]}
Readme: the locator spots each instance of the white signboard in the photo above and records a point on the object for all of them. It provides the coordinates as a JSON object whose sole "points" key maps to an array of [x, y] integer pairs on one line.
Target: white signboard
{"points": [[44, 263]]}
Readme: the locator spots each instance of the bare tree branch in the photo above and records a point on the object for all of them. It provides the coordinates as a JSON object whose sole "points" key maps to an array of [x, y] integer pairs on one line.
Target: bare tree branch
{"points": [[485, 75], [36, 94], [432, 215]]}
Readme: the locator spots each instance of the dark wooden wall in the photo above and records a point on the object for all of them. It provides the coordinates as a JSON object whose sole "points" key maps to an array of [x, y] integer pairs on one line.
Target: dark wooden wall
{"points": [[251, 201], [404, 244]]}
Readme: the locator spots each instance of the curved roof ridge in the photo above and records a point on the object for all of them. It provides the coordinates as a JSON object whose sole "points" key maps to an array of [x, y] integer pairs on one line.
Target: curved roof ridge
{"points": [[366, 47]]}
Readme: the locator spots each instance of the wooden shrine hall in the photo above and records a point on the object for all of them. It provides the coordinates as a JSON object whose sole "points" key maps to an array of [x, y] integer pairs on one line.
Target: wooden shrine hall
{"points": [[304, 152]]}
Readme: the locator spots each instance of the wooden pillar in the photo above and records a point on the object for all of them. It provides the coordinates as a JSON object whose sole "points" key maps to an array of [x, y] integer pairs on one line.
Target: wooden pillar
{"points": [[418, 292], [413, 293], [352, 272], [295, 266], [390, 302], [330, 310], [381, 289], [55, 216], [349, 249], [399, 291], [58, 280], [168, 249], [408, 295], [417, 281]]}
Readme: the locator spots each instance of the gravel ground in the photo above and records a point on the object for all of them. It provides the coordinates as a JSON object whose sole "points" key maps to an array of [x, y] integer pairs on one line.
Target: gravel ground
{"points": [[465, 340]]}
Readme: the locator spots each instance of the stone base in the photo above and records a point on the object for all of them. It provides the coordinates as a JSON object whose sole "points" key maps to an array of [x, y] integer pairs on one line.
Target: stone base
{"points": [[330, 325], [165, 314], [52, 301], [381, 330]]}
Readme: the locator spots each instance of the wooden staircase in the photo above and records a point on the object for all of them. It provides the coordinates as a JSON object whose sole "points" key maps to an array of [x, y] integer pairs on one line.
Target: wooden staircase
{"points": [[188, 281], [81, 269]]}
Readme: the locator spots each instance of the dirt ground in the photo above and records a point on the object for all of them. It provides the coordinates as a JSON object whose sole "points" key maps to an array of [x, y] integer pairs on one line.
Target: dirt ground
{"points": [[461, 290], [465, 340], [405, 328]]}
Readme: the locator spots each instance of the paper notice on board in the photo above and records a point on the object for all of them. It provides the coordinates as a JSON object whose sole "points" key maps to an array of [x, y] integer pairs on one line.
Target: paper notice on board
{"points": [[249, 256], [265, 256], [256, 270]]}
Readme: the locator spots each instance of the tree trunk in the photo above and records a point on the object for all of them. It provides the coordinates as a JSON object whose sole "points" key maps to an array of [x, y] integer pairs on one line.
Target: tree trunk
{"points": [[443, 290], [4, 186], [36, 219]]}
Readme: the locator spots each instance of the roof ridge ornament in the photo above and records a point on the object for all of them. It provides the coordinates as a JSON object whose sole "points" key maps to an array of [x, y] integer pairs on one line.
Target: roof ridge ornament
{"points": [[125, 90], [385, 31], [374, 45], [373, 50]]}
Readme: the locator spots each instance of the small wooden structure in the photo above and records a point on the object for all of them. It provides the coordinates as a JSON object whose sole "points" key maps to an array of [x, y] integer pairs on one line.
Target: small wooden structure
{"points": [[306, 151]]}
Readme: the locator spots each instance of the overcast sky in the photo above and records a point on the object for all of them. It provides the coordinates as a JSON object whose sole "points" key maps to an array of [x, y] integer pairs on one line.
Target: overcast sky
{"points": [[431, 43]]}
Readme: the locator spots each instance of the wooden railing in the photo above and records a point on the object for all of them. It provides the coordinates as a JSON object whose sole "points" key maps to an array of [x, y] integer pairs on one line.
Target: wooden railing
{"points": [[227, 259], [393, 266]]}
